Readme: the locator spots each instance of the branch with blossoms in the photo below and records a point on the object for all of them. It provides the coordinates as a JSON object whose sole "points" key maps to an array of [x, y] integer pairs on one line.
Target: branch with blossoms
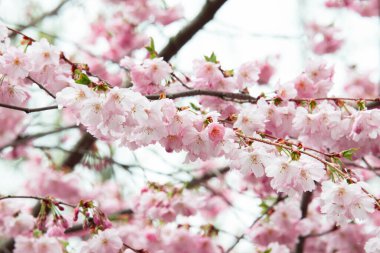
{"points": [[288, 143]]}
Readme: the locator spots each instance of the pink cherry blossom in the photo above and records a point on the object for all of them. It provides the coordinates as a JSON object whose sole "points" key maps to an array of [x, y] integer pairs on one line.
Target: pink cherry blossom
{"points": [[216, 132], [373, 245], [16, 64], [43, 54], [345, 201], [248, 74], [107, 241]]}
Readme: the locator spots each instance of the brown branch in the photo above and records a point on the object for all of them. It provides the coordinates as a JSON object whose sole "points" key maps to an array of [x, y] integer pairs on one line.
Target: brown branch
{"points": [[229, 96], [268, 211], [373, 105], [204, 178], [331, 230], [37, 20], [178, 41], [135, 250], [305, 201], [29, 110], [27, 138], [79, 227], [41, 87], [36, 198]]}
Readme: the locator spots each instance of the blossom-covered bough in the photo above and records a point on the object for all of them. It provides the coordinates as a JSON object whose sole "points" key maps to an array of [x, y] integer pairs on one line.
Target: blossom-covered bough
{"points": [[306, 155]]}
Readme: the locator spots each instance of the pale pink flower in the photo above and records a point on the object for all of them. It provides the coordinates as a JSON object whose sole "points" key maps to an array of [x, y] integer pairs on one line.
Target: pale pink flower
{"points": [[252, 118], [369, 8], [343, 202], [208, 71], [248, 74], [169, 15], [74, 97], [286, 91], [373, 245], [25, 244], [107, 241], [15, 63], [47, 245], [338, 3], [43, 54], [91, 113], [251, 160], [157, 69], [127, 62], [278, 248], [366, 125], [23, 224], [308, 173], [266, 71], [216, 132], [282, 171], [13, 94], [319, 70], [305, 87], [360, 85]]}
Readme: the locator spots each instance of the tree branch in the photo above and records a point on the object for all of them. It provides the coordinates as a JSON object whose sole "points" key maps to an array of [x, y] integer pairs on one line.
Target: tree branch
{"points": [[23, 139], [29, 110], [268, 211], [305, 201], [178, 41], [37, 20], [229, 96], [204, 178]]}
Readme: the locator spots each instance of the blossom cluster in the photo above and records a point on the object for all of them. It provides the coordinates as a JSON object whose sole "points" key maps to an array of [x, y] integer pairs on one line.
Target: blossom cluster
{"points": [[122, 31], [368, 8], [289, 145]]}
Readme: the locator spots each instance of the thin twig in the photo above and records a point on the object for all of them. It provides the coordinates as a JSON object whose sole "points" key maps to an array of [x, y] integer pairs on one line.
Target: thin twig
{"points": [[36, 198], [29, 110], [270, 209]]}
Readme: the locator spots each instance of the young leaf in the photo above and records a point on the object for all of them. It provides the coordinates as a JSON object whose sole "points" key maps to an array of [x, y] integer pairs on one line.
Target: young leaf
{"points": [[348, 153], [312, 105], [361, 105], [81, 78], [151, 49], [212, 58], [295, 155]]}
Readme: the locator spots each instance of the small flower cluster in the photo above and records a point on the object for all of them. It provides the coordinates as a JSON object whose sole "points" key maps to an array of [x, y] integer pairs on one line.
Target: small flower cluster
{"points": [[324, 39], [122, 33], [368, 8]]}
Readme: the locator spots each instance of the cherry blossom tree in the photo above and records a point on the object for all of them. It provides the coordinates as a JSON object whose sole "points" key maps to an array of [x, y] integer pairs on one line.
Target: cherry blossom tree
{"points": [[293, 162]]}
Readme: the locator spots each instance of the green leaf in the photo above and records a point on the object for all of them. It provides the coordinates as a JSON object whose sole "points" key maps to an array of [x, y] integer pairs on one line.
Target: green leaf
{"points": [[152, 49], [195, 107], [264, 206], [295, 155], [268, 251], [277, 101], [312, 105], [81, 78], [279, 149], [50, 38], [211, 58], [37, 233], [229, 73], [361, 105], [348, 153]]}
